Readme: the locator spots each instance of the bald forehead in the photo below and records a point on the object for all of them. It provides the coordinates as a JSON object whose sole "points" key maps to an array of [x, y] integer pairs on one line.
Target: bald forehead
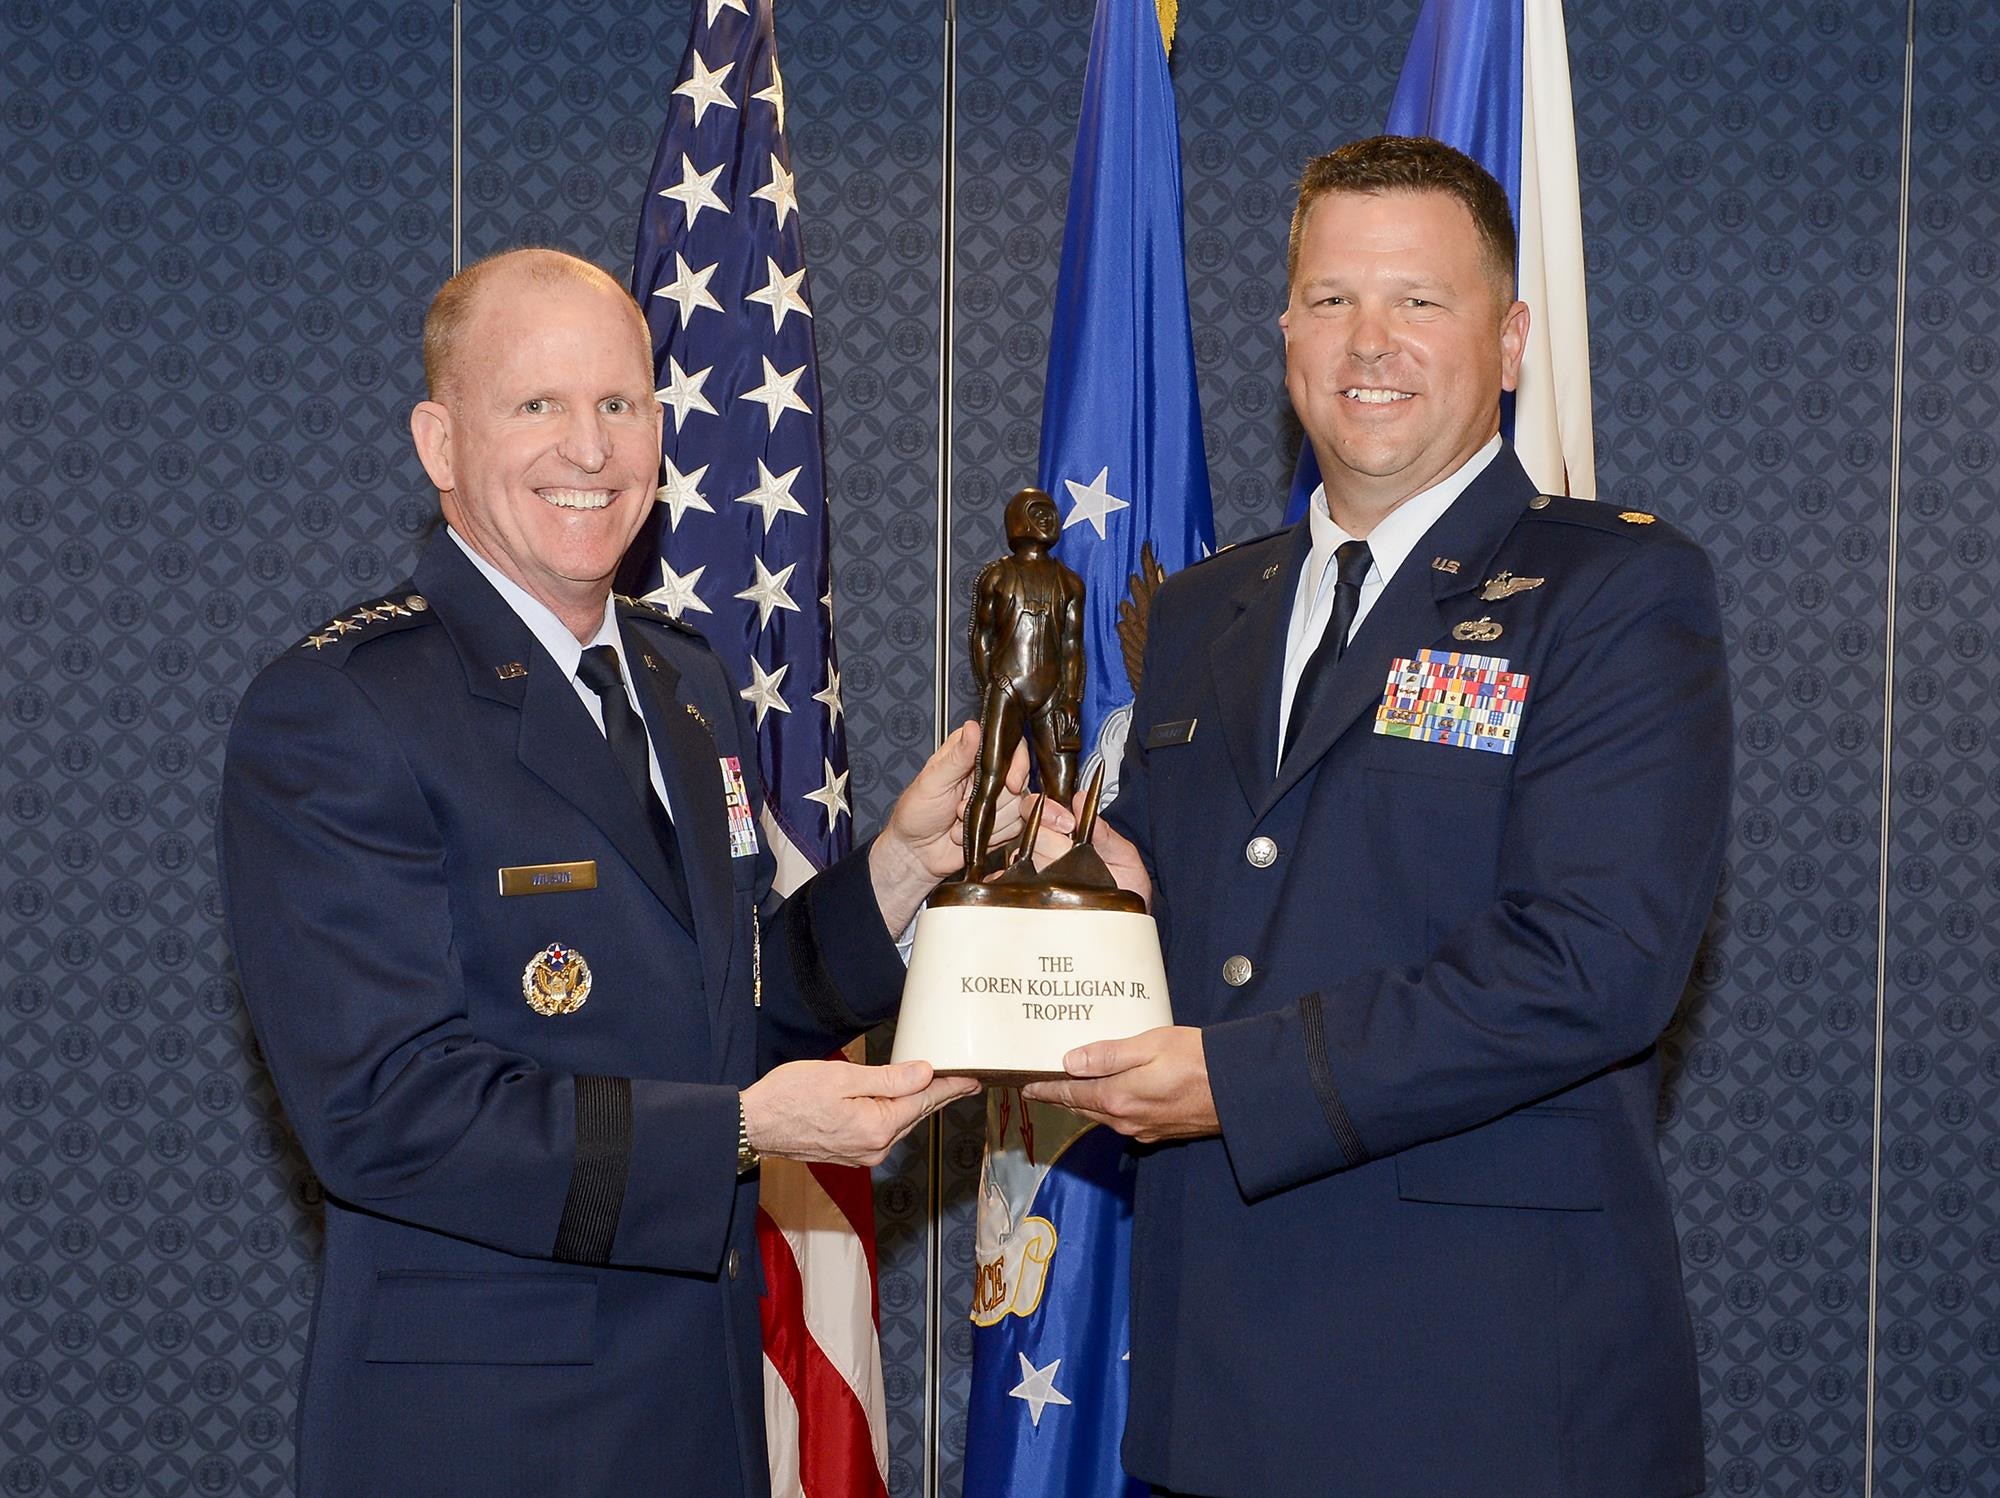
{"points": [[505, 287]]}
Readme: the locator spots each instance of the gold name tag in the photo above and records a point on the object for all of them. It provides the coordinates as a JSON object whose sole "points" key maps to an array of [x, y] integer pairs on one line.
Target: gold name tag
{"points": [[548, 878]]}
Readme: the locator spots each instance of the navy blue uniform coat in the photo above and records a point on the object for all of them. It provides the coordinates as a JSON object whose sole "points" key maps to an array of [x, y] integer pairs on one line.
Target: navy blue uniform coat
{"points": [[540, 1272], [1432, 1252]]}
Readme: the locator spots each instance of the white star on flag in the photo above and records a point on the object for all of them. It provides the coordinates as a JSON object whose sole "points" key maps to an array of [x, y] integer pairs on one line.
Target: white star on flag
{"points": [[779, 393], [676, 593], [773, 94], [689, 289], [1093, 502], [778, 192], [695, 191], [679, 493], [830, 695], [833, 794], [704, 87], [683, 393], [762, 693], [780, 293], [773, 496], [717, 7], [1038, 1387], [768, 592]]}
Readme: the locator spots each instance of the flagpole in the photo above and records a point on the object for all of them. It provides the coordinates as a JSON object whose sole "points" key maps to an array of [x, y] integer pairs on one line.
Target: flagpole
{"points": [[457, 133], [940, 726]]}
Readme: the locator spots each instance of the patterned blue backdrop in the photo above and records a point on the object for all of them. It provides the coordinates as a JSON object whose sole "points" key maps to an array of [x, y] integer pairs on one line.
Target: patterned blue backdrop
{"points": [[223, 221]]}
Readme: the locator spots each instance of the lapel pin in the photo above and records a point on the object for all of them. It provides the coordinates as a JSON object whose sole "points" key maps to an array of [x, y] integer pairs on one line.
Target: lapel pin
{"points": [[510, 670], [1270, 572], [1446, 565]]}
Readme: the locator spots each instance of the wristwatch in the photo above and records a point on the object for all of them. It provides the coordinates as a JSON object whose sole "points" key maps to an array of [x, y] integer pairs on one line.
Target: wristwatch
{"points": [[747, 1157]]}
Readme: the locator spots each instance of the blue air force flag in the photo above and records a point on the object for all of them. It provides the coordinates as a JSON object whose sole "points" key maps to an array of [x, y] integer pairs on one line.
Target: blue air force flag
{"points": [[1122, 455], [1491, 77], [1121, 424]]}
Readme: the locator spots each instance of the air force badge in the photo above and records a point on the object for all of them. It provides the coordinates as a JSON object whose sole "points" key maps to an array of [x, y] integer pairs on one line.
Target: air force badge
{"points": [[1506, 585], [556, 981]]}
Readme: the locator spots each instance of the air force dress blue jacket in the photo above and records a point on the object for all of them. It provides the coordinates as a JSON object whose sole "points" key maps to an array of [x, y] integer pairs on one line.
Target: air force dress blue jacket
{"points": [[540, 1269], [1432, 1252]]}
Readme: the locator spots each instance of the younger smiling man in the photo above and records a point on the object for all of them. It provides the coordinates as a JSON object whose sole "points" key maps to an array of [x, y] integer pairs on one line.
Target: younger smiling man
{"points": [[1431, 790]]}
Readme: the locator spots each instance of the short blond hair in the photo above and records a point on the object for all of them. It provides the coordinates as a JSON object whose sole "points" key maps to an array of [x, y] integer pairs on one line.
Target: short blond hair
{"points": [[452, 309]]}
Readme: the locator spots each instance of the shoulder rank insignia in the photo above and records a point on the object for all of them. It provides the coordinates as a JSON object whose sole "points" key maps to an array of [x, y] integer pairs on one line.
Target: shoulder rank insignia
{"points": [[1478, 631], [1506, 585], [376, 611], [556, 980], [1636, 517]]}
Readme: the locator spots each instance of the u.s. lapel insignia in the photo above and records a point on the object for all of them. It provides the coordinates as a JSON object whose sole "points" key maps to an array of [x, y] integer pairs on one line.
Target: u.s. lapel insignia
{"points": [[556, 980], [1447, 565], [1506, 585], [742, 823], [1477, 631]]}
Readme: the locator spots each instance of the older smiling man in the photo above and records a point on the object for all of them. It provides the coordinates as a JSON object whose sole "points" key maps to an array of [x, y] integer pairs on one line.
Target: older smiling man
{"points": [[1431, 790], [515, 970]]}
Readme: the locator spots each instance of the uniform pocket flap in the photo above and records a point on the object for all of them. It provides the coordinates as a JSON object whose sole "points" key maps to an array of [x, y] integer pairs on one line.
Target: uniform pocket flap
{"points": [[1535, 1158], [482, 1318]]}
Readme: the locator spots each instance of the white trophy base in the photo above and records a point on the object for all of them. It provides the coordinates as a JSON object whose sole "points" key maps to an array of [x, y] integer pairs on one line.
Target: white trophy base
{"points": [[1001, 993]]}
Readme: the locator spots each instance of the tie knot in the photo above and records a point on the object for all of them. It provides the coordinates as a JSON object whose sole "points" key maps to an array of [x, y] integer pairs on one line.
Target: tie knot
{"points": [[1351, 562], [598, 669]]}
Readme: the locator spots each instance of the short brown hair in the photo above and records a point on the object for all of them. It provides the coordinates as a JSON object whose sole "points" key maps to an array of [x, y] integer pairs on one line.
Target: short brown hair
{"points": [[1410, 163], [452, 308]]}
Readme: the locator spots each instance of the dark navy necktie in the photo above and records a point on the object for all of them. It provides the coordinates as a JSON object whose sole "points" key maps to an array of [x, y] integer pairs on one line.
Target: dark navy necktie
{"points": [[1351, 562], [598, 670]]}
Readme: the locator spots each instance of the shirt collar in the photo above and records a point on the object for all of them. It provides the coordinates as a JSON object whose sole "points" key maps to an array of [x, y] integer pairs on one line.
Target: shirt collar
{"points": [[1391, 541], [552, 634]]}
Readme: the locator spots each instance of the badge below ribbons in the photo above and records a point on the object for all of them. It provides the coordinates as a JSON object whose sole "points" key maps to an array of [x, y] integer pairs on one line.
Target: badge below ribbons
{"points": [[1447, 697]]}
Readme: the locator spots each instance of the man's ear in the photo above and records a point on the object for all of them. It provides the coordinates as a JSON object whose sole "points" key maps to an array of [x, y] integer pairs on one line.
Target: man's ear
{"points": [[1513, 344], [430, 431]]}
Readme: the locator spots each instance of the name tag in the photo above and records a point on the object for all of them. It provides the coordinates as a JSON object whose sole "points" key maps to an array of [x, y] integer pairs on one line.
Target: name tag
{"points": [[1163, 735], [548, 878]]}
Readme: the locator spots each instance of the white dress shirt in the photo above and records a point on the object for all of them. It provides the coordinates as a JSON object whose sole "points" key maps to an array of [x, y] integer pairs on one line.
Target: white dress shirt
{"points": [[1388, 545], [554, 637]]}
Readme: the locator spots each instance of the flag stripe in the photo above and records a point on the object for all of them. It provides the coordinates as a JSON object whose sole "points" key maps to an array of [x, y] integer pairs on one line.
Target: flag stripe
{"points": [[852, 1193], [837, 1458]]}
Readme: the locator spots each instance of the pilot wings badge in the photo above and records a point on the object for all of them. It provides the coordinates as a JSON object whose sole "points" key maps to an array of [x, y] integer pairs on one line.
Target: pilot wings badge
{"points": [[1506, 585]]}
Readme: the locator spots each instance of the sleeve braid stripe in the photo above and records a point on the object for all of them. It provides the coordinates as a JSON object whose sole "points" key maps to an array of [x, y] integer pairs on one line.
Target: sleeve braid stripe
{"points": [[816, 984], [597, 1179], [1313, 1018]]}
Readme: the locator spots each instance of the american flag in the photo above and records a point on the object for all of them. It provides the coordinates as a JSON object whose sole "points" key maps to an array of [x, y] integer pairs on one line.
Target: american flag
{"points": [[720, 269]]}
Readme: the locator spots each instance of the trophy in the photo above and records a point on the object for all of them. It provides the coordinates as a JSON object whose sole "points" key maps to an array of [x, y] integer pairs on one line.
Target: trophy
{"points": [[1013, 964]]}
